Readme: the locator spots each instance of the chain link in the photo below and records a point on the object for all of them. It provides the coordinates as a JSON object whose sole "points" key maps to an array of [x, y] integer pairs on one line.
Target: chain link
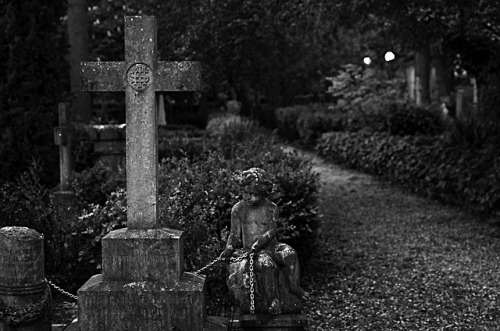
{"points": [[27, 314], [240, 258], [197, 272], [252, 285], [249, 254], [60, 290]]}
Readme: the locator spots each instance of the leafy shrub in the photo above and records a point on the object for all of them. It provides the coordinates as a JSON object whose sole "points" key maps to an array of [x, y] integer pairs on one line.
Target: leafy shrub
{"points": [[181, 147], [95, 184], [423, 164], [365, 89], [307, 122], [219, 123], [72, 243], [286, 120], [311, 125], [25, 201], [408, 119], [471, 130], [197, 197]]}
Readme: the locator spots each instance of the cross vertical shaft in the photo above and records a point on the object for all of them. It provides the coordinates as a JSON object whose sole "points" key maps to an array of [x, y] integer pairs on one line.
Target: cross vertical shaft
{"points": [[142, 123]]}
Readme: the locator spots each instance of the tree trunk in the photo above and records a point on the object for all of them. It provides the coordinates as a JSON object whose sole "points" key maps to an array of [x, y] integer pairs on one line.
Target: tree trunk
{"points": [[78, 51], [423, 73]]}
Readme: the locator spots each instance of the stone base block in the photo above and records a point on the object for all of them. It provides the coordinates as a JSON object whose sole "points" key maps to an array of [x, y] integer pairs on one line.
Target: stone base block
{"points": [[143, 305], [288, 322], [143, 255]]}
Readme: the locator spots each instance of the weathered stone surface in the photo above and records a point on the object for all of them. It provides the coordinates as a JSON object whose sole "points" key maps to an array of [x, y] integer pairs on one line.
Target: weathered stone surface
{"points": [[147, 254], [143, 286], [22, 279], [21, 257], [102, 76], [143, 305], [265, 322], [215, 323], [264, 267], [239, 285]]}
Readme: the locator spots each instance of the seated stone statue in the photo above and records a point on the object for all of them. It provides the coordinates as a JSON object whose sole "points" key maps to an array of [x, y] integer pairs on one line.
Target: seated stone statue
{"points": [[276, 266]]}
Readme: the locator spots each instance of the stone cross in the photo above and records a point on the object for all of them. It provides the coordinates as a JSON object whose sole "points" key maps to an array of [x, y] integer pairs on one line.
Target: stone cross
{"points": [[140, 76], [62, 138]]}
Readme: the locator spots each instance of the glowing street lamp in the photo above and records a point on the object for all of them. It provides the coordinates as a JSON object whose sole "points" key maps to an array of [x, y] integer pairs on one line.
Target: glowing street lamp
{"points": [[389, 56], [367, 60]]}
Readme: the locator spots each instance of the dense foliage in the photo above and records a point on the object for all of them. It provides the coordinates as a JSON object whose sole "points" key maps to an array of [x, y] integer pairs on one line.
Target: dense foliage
{"points": [[423, 164], [306, 123], [32, 81], [196, 195]]}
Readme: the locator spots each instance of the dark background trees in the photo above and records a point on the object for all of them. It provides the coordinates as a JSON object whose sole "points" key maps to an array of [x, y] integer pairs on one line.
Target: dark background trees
{"points": [[257, 52]]}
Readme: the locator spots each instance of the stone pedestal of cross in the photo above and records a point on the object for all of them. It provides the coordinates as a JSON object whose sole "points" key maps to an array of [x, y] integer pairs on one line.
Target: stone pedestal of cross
{"points": [[143, 285]]}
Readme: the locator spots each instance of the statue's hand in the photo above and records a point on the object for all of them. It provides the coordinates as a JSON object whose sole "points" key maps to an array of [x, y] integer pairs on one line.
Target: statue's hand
{"points": [[226, 254], [255, 246]]}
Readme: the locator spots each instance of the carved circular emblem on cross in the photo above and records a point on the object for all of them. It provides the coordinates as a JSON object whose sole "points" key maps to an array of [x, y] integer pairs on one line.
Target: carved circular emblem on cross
{"points": [[139, 76]]}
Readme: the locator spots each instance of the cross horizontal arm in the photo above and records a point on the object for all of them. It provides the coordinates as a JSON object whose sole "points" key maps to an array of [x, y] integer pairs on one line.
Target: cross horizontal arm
{"points": [[102, 76], [178, 76]]}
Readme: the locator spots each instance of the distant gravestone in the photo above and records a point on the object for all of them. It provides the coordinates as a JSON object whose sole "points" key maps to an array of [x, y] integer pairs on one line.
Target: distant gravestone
{"points": [[24, 294], [64, 198], [143, 285], [62, 138]]}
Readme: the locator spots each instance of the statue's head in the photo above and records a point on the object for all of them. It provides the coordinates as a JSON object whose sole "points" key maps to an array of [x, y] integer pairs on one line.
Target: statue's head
{"points": [[255, 184]]}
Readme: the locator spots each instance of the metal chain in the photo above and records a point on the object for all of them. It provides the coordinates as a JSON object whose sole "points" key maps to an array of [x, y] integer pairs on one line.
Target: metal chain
{"points": [[240, 258], [234, 260], [252, 283], [60, 290], [27, 314], [197, 272]]}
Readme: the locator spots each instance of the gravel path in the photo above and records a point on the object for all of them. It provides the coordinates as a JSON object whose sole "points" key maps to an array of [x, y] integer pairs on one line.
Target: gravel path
{"points": [[388, 260]]}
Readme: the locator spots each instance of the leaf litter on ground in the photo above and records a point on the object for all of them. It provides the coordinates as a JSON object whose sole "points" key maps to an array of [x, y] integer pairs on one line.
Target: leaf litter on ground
{"points": [[390, 260]]}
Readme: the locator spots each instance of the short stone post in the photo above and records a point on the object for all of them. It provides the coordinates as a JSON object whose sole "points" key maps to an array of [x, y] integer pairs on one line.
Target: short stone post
{"points": [[24, 294]]}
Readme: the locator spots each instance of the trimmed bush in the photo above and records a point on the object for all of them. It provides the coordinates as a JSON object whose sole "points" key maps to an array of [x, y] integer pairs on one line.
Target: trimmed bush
{"points": [[423, 164], [408, 119], [307, 122], [311, 125], [395, 118], [286, 121]]}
